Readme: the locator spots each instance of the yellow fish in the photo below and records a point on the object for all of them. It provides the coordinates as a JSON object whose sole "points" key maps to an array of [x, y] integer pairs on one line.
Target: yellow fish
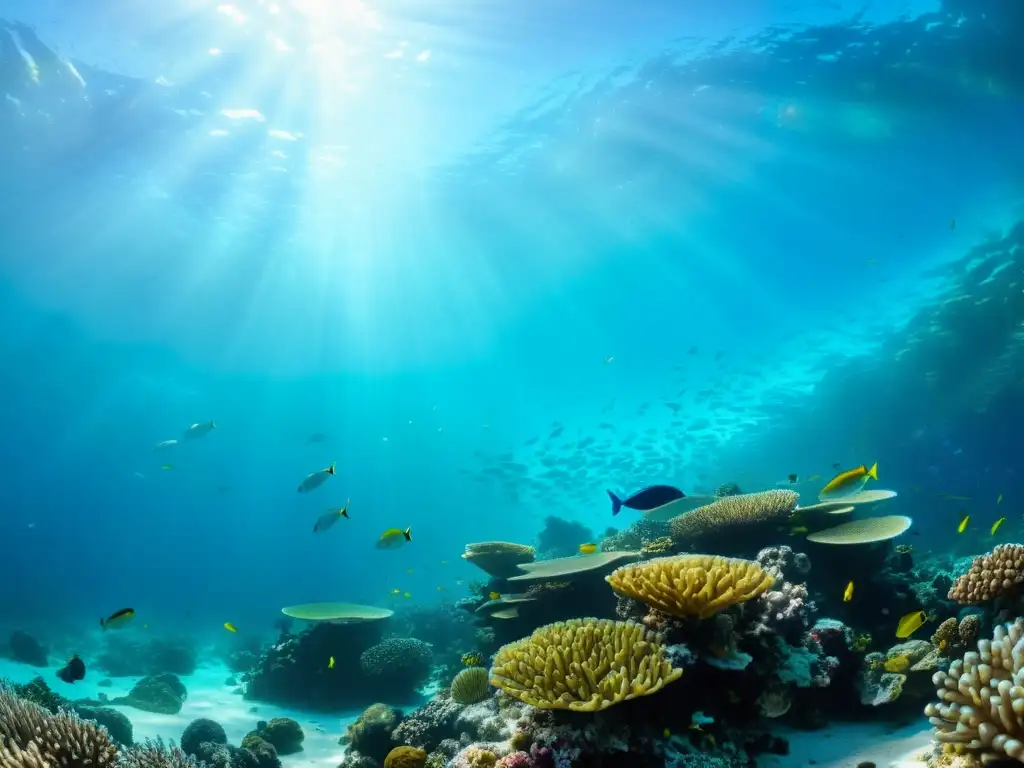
{"points": [[440, 588], [996, 524], [330, 663], [999, 500], [394, 537], [588, 549], [118, 619], [230, 627], [851, 481], [848, 593], [396, 591], [910, 623], [963, 524], [494, 595], [406, 595], [166, 466]]}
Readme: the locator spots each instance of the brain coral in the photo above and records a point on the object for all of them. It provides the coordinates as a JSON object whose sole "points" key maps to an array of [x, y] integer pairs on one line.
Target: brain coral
{"points": [[999, 572], [398, 657], [405, 757], [691, 585], [734, 512], [981, 698], [584, 665]]}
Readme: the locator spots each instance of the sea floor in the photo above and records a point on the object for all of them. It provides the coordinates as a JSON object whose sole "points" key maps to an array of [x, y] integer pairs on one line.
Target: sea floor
{"points": [[838, 746], [208, 696]]}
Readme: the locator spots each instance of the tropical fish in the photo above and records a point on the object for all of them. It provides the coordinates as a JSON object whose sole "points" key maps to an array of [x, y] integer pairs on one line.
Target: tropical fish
{"points": [[166, 466], [230, 627], [649, 498], [407, 595], [910, 623], [609, 360], [165, 445], [118, 619], [963, 524], [848, 593], [393, 538], [198, 430], [330, 517], [494, 595], [850, 481], [507, 613], [996, 524], [315, 479], [73, 670], [588, 549], [330, 663]]}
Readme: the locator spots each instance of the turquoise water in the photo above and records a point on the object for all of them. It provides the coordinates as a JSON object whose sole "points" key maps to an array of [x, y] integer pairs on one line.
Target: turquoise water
{"points": [[500, 259]]}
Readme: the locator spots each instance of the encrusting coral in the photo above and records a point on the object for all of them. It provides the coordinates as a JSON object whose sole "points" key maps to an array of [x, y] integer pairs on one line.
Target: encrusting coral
{"points": [[999, 572], [584, 665], [691, 585], [981, 698]]}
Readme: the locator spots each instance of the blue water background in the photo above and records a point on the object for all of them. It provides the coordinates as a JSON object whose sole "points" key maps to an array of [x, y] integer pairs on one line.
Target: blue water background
{"points": [[555, 186]]}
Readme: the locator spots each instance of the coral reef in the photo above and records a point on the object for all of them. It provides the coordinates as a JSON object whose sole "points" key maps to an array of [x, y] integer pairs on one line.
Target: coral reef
{"points": [[398, 667], [156, 754], [560, 538], [284, 734], [471, 685], [734, 524], [26, 649], [370, 734], [405, 757], [998, 573], [163, 694], [583, 665]]}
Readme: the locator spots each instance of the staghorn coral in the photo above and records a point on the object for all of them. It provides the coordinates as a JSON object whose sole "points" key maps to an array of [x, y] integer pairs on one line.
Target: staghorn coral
{"points": [[734, 512], [691, 585], [156, 754], [470, 686], [584, 665], [981, 704], [999, 572], [35, 738]]}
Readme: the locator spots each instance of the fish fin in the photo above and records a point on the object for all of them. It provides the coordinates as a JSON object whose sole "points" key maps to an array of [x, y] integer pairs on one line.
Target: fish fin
{"points": [[616, 502], [213, 425], [330, 469], [408, 533], [344, 510], [873, 472]]}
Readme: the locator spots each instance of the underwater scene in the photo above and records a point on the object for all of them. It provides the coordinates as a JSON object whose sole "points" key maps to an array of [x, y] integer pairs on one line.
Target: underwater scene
{"points": [[492, 384]]}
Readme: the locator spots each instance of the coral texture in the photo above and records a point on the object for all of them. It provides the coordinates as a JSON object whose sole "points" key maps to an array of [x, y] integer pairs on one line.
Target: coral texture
{"points": [[691, 585], [733, 512], [584, 665], [997, 573], [470, 686], [405, 757], [981, 699], [499, 558], [156, 754]]}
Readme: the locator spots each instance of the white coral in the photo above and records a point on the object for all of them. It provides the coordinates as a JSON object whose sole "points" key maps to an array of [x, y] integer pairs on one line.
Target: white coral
{"points": [[981, 698]]}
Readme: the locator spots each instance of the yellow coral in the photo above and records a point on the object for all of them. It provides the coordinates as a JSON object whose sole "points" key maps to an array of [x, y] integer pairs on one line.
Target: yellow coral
{"points": [[734, 512], [477, 757], [405, 757], [691, 585], [897, 664], [584, 665]]}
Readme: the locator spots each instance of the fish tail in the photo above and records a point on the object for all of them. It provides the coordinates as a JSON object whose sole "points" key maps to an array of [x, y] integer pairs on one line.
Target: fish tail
{"points": [[344, 510], [873, 472], [616, 503], [213, 425], [408, 533], [330, 469]]}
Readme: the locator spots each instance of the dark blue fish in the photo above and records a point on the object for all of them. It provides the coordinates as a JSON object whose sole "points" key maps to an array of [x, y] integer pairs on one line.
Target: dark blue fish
{"points": [[647, 499]]}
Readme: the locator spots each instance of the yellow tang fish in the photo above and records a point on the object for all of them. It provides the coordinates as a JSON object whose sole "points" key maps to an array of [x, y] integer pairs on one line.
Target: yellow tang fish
{"points": [[230, 627], [851, 481], [963, 524], [910, 623], [330, 663], [848, 593], [494, 595], [588, 549], [996, 524]]}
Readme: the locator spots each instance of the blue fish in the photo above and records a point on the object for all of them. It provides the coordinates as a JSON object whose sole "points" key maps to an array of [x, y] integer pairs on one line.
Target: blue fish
{"points": [[647, 499]]}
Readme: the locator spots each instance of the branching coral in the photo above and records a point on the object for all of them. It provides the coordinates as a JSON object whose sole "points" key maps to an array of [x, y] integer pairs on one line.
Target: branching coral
{"points": [[734, 512], [583, 665], [1000, 572], [981, 698], [691, 585], [156, 754]]}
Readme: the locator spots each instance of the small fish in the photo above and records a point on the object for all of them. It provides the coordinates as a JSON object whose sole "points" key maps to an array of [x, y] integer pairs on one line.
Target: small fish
{"points": [[230, 627], [836, 465], [330, 517], [996, 524], [588, 549], [848, 593], [494, 595], [910, 623], [393, 538], [963, 524], [330, 663], [406, 595], [507, 613], [999, 500], [850, 481], [118, 619], [73, 670], [164, 445], [396, 591], [793, 478], [198, 430], [166, 466], [315, 479], [316, 437], [953, 497], [472, 659], [798, 530], [609, 360], [647, 499], [440, 588], [812, 478]]}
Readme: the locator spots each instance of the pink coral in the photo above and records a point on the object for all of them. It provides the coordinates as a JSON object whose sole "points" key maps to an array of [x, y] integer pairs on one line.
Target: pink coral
{"points": [[515, 760]]}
